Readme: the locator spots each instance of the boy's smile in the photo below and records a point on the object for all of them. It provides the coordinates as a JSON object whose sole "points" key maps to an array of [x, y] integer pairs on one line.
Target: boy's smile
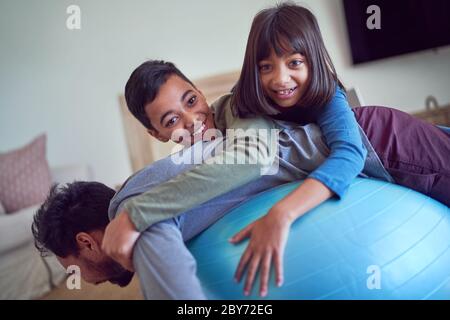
{"points": [[179, 113]]}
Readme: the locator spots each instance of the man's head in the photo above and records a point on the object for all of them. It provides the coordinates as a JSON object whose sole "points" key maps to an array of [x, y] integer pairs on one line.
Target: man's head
{"points": [[71, 223], [167, 103]]}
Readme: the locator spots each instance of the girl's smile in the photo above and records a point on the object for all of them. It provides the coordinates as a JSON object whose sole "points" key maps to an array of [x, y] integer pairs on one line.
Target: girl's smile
{"points": [[285, 93]]}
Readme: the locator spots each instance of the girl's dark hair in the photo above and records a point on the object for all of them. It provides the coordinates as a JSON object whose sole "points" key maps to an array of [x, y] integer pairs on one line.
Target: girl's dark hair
{"points": [[143, 86], [284, 28], [68, 210]]}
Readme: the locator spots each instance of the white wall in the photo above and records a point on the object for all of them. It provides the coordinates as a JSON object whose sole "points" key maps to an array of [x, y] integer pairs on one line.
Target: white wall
{"points": [[67, 83]]}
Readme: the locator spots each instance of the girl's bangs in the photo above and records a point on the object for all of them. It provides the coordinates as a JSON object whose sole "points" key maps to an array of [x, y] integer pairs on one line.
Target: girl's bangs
{"points": [[281, 42]]}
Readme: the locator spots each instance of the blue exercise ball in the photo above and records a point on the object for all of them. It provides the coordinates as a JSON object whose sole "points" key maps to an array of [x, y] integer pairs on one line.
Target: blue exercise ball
{"points": [[380, 241]]}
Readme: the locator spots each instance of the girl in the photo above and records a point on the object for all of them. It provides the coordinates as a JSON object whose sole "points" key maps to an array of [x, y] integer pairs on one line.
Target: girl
{"points": [[288, 75]]}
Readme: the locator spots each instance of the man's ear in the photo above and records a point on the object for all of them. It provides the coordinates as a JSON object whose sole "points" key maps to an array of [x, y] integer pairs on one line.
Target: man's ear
{"points": [[86, 242], [155, 133]]}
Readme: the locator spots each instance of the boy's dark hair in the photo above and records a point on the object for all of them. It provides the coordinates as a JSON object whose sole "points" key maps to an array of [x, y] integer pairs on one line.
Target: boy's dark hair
{"points": [[68, 210], [143, 86], [285, 27]]}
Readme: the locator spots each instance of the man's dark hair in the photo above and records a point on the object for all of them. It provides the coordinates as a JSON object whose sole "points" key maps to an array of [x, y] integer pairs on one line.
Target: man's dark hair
{"points": [[143, 86], [68, 210]]}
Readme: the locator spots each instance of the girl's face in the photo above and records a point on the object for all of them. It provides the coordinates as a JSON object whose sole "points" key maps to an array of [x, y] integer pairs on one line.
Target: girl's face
{"points": [[283, 78]]}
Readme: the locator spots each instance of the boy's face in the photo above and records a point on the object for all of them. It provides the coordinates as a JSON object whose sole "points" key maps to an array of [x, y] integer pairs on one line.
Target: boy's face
{"points": [[179, 113]]}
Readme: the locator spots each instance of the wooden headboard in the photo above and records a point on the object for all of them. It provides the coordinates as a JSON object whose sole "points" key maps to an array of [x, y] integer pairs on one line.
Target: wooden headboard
{"points": [[144, 149]]}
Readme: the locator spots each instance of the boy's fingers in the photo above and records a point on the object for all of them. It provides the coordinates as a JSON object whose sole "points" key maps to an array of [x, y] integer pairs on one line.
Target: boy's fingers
{"points": [[251, 272], [264, 274], [242, 264], [241, 235], [278, 261]]}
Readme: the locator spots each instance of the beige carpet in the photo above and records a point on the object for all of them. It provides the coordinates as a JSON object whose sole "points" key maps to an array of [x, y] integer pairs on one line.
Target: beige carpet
{"points": [[104, 291]]}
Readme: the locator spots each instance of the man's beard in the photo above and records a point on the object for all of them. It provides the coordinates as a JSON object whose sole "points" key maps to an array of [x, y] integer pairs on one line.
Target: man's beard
{"points": [[114, 272], [122, 277]]}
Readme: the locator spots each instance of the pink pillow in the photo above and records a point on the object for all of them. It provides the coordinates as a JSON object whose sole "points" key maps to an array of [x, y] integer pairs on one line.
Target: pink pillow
{"points": [[25, 178]]}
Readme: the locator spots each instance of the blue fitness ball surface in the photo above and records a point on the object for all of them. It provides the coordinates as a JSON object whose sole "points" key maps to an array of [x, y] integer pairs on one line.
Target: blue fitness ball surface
{"points": [[380, 241]]}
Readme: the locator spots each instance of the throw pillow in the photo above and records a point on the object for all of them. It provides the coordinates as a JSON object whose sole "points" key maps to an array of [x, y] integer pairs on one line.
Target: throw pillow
{"points": [[25, 176]]}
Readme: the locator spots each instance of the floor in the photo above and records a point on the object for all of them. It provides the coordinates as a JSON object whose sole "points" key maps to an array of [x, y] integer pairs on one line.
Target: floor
{"points": [[104, 291]]}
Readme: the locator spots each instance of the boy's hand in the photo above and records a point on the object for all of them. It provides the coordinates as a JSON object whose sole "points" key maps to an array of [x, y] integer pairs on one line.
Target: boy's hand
{"points": [[119, 239], [268, 240]]}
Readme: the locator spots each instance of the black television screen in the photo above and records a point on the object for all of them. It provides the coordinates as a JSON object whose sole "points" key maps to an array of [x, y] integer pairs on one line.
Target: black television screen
{"points": [[405, 26]]}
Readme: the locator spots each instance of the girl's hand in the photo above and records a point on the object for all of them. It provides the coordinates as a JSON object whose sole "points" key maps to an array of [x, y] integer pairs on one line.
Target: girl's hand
{"points": [[119, 239], [269, 233], [268, 236]]}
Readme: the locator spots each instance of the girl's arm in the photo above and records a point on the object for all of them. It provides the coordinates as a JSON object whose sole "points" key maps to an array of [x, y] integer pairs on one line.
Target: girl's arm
{"points": [[269, 234], [347, 152]]}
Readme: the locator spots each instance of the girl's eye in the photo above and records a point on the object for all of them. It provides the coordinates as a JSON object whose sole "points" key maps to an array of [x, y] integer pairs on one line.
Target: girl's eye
{"points": [[192, 100], [171, 122], [296, 63], [264, 67]]}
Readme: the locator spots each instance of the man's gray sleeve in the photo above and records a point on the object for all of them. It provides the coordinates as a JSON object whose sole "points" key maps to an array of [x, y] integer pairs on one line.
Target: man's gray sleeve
{"points": [[165, 267]]}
